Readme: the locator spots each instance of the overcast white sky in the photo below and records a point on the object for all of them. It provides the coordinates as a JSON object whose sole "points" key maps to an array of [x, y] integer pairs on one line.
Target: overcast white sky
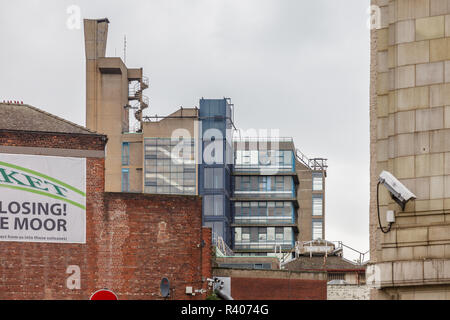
{"points": [[295, 65]]}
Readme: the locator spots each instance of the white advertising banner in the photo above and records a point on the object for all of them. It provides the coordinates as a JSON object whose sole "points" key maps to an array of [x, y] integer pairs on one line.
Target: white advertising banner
{"points": [[42, 199]]}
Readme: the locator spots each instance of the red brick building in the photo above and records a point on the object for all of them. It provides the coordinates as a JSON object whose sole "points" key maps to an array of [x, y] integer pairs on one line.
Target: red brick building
{"points": [[244, 284], [132, 240]]}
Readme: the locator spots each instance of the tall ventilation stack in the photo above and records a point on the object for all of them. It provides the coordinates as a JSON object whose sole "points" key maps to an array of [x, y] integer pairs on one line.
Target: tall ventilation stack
{"points": [[108, 97]]}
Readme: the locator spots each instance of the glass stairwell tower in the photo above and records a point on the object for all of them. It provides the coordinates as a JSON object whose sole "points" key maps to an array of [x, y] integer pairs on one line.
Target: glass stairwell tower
{"points": [[215, 169]]}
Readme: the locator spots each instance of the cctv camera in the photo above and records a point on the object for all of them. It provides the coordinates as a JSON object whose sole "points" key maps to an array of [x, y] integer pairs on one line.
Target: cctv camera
{"points": [[398, 191]]}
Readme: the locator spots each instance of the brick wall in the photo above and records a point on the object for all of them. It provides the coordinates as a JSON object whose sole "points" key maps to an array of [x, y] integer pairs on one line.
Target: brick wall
{"points": [[275, 284], [277, 289], [52, 140], [132, 240], [147, 237]]}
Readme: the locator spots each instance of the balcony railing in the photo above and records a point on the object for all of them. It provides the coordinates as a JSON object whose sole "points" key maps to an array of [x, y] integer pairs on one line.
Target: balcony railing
{"points": [[262, 139], [264, 194], [263, 168], [264, 220], [267, 245]]}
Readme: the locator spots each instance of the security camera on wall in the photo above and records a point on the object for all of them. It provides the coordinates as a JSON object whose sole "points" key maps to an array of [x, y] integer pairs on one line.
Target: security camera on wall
{"points": [[398, 191]]}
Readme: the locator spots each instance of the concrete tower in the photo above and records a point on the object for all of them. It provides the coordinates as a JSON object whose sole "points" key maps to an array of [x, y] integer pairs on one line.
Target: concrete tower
{"points": [[108, 97], [410, 137]]}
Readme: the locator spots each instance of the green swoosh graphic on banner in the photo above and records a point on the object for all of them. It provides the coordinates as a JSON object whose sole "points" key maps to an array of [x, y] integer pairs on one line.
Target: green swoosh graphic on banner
{"points": [[43, 176], [44, 194]]}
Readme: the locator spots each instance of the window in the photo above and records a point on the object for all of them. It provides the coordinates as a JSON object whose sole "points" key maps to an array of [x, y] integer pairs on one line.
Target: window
{"points": [[317, 182], [279, 183], [288, 155], [265, 158], [317, 205], [271, 209], [262, 204], [254, 183], [317, 229], [218, 205], [254, 234], [125, 180], [279, 208], [238, 234], [288, 234], [217, 228], [237, 183], [237, 209], [279, 204], [270, 234], [336, 276], [246, 157], [288, 209], [279, 234], [266, 212], [262, 209], [275, 158], [262, 234], [213, 205], [243, 157], [125, 153], [262, 183], [245, 183], [280, 158], [169, 166], [214, 178], [254, 208], [245, 210], [245, 234]]}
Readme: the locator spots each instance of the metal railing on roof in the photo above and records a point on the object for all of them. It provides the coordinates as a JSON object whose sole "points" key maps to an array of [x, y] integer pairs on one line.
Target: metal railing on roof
{"points": [[363, 256], [327, 248], [316, 164], [262, 139]]}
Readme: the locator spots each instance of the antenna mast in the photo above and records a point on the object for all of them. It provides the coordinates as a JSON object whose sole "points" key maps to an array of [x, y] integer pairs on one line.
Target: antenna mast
{"points": [[125, 49]]}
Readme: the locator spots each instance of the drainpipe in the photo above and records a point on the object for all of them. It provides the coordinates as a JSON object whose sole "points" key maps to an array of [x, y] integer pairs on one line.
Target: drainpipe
{"points": [[221, 294]]}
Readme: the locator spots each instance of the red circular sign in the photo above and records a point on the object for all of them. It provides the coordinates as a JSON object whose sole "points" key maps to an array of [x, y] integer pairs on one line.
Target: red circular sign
{"points": [[103, 294]]}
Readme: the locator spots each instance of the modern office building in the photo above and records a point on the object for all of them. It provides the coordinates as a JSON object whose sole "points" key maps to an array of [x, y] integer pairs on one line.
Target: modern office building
{"points": [[265, 205], [258, 196], [278, 198]]}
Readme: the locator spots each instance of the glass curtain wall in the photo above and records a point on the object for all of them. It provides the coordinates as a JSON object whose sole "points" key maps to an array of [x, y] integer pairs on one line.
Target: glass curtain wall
{"points": [[170, 166]]}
